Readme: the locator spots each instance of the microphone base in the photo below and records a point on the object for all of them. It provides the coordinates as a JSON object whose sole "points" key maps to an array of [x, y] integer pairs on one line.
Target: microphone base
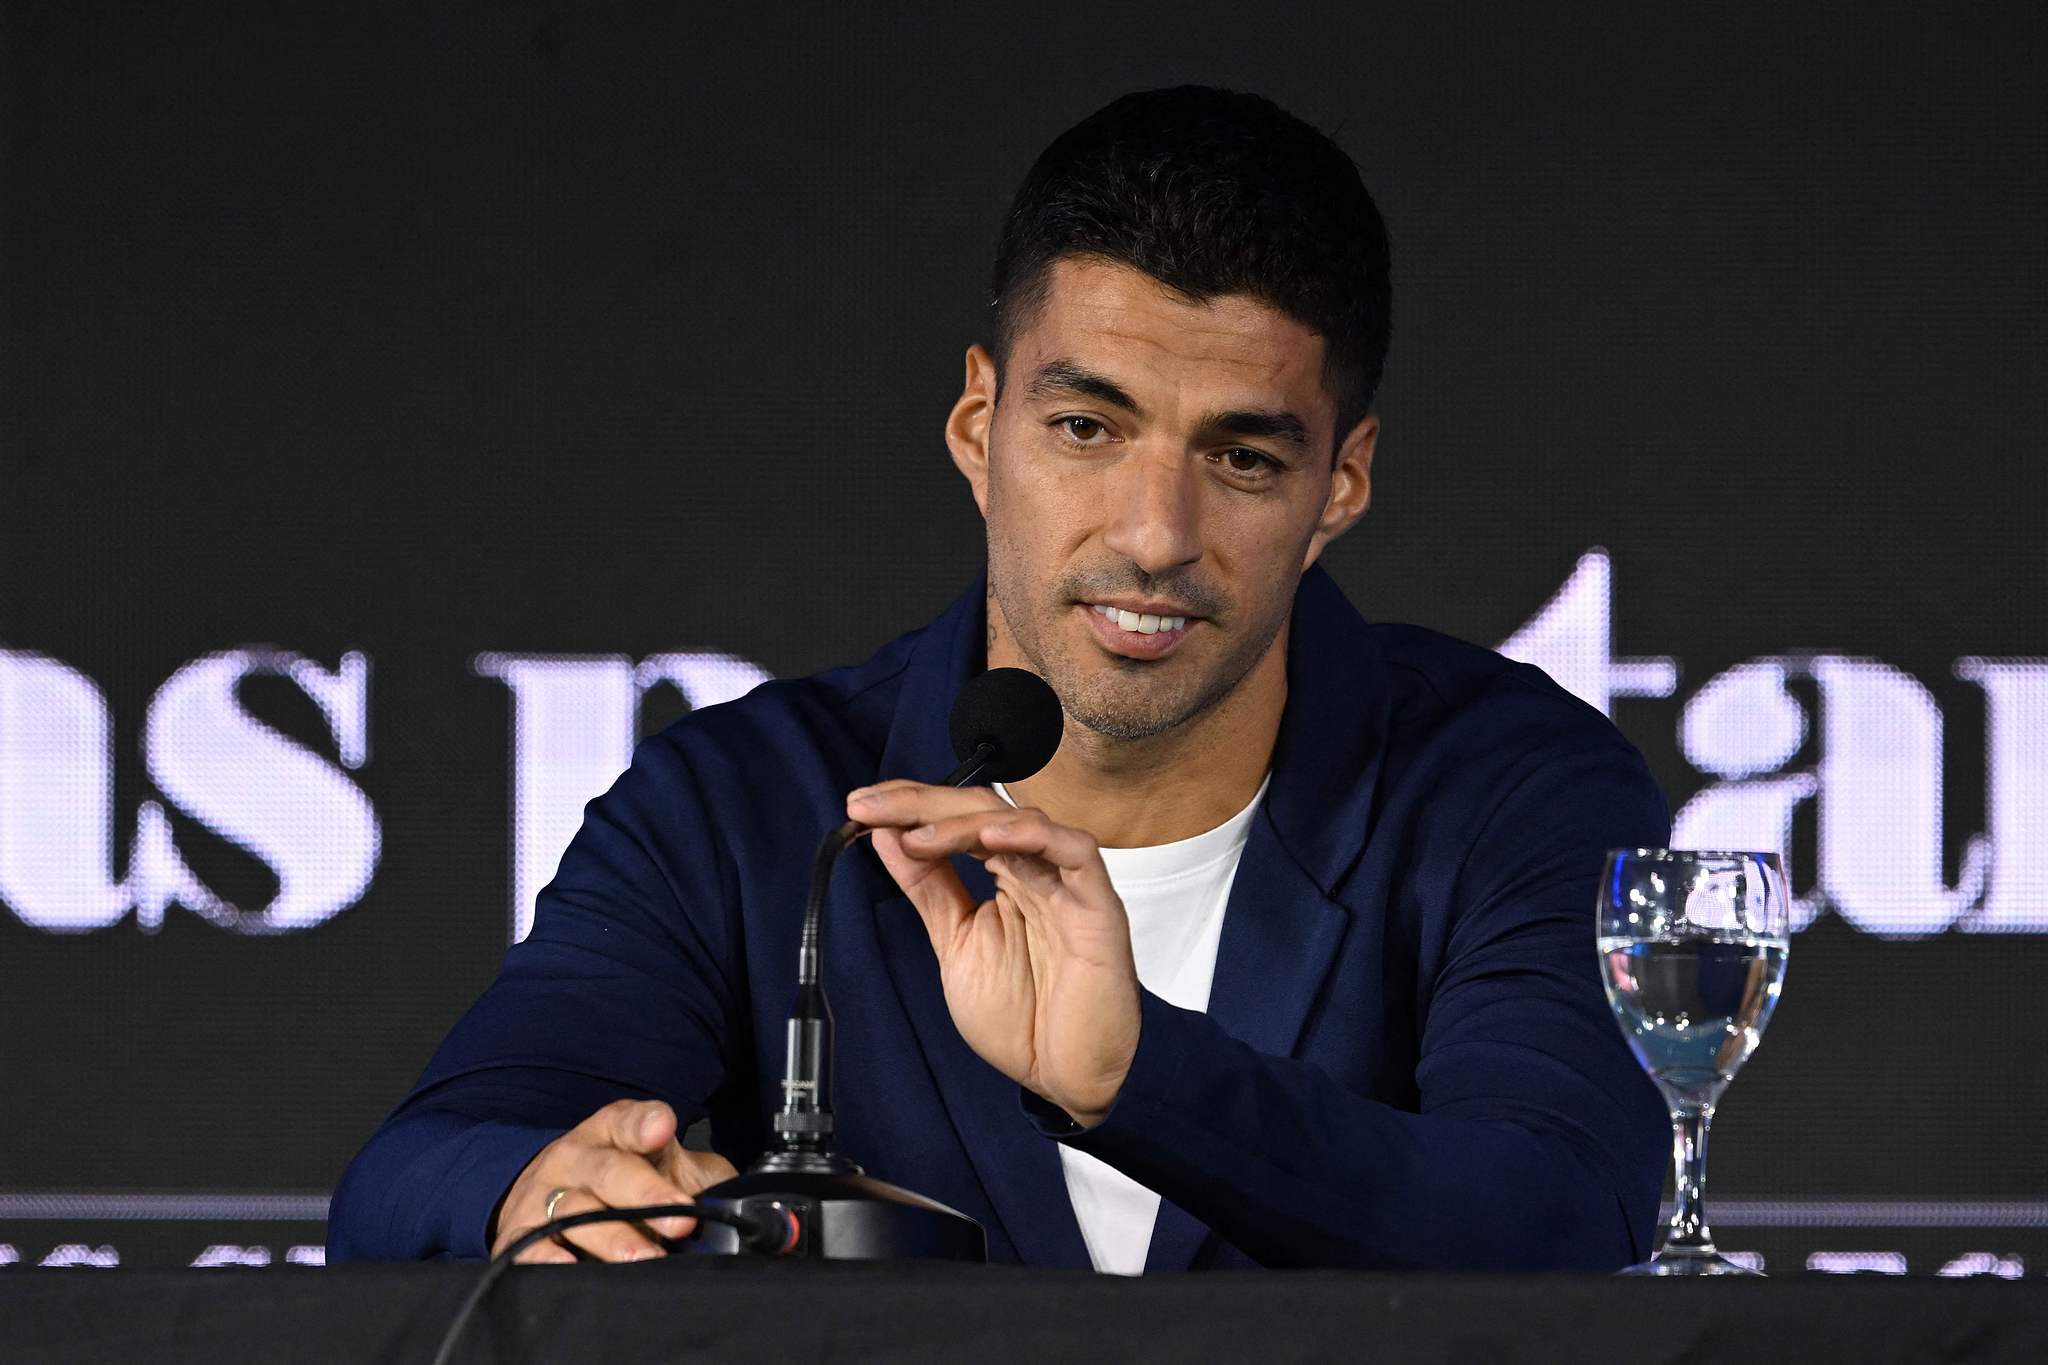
{"points": [[842, 1214]]}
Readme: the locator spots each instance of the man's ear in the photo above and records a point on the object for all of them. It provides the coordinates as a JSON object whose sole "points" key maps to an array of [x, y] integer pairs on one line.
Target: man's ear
{"points": [[967, 426], [1350, 487]]}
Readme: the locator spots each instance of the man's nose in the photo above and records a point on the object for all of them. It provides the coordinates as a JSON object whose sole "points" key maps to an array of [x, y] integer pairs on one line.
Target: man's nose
{"points": [[1154, 509]]}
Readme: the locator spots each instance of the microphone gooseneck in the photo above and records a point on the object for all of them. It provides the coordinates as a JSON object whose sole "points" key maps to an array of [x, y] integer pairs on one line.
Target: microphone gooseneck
{"points": [[1005, 726]]}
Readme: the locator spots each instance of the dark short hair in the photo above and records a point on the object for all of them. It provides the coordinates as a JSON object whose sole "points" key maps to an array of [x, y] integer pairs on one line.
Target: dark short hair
{"points": [[1209, 192]]}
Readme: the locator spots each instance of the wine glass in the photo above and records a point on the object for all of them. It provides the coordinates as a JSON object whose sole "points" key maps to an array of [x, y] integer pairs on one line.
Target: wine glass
{"points": [[1692, 952]]}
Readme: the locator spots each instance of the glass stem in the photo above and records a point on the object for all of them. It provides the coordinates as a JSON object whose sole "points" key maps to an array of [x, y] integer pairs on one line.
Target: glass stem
{"points": [[1688, 1229]]}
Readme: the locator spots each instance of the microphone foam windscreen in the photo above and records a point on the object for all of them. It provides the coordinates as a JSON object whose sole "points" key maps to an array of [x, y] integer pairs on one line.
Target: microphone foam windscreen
{"points": [[1014, 710]]}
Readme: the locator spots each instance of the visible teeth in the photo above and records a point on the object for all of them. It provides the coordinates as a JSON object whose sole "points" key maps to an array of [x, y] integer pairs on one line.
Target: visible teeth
{"points": [[1141, 623]]}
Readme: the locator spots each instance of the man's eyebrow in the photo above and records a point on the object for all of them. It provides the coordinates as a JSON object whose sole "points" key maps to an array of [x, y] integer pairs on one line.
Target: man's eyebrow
{"points": [[1276, 424], [1065, 378]]}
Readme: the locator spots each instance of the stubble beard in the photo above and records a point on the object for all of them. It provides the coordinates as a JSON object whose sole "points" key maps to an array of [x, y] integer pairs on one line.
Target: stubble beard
{"points": [[1118, 698]]}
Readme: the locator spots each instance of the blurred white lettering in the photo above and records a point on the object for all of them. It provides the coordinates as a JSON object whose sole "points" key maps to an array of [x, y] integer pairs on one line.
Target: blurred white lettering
{"points": [[2016, 699], [261, 791], [574, 720], [1875, 778], [1571, 638]]}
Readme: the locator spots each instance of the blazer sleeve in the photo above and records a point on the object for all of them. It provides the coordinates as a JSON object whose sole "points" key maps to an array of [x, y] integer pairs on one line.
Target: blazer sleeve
{"points": [[625, 988], [1537, 1144]]}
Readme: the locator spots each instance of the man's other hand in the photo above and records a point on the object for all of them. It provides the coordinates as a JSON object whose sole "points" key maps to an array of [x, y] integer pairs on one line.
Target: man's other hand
{"points": [[623, 1156], [1040, 980]]}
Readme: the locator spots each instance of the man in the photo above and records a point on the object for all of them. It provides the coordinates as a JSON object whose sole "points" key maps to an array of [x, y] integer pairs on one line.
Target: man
{"points": [[1286, 958]]}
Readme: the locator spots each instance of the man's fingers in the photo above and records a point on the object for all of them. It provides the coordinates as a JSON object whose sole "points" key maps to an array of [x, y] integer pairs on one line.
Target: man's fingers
{"points": [[932, 885], [614, 1241], [952, 834], [690, 1172], [693, 1171], [624, 1155], [633, 1125], [984, 834], [1024, 872], [626, 1180], [544, 1252], [899, 804], [1073, 851]]}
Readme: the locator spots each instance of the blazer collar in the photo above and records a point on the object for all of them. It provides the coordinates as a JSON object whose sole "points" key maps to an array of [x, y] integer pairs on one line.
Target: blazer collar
{"points": [[1326, 761], [1018, 1168], [1284, 924]]}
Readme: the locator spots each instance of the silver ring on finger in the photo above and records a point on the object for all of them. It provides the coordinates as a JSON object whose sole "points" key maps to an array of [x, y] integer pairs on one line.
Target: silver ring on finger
{"points": [[548, 1216]]}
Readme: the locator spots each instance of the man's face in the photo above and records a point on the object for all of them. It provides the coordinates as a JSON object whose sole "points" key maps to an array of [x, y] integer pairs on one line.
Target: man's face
{"points": [[1156, 475]]}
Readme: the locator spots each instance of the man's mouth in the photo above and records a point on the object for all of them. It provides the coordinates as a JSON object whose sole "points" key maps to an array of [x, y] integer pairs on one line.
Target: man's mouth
{"points": [[1137, 634], [1145, 623]]}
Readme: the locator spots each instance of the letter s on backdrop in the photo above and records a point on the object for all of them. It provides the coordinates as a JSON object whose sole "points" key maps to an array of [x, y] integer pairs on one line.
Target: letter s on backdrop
{"points": [[264, 792]]}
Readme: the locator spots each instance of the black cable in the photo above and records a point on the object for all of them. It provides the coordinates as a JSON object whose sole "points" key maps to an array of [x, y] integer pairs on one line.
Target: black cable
{"points": [[751, 1231]]}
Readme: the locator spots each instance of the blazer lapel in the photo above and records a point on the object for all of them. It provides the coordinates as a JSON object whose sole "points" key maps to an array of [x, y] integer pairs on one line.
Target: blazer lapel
{"points": [[1284, 922], [1019, 1168], [1280, 939]]}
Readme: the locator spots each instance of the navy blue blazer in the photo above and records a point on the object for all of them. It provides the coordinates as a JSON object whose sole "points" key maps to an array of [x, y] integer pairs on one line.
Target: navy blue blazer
{"points": [[1407, 1060]]}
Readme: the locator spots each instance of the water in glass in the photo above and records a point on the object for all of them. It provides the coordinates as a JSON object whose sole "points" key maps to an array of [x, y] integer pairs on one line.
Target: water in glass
{"points": [[1692, 951]]}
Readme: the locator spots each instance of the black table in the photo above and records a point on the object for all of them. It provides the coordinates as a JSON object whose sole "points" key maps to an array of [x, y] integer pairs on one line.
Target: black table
{"points": [[751, 1311]]}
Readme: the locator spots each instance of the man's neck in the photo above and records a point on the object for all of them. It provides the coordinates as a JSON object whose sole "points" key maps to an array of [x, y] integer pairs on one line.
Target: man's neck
{"points": [[1172, 786]]}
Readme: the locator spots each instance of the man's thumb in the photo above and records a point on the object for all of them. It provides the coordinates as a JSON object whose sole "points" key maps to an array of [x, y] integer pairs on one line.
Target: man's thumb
{"points": [[932, 886], [653, 1126]]}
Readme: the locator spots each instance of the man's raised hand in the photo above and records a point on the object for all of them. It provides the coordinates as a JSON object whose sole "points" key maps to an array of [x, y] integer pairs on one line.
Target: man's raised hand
{"points": [[623, 1156], [1040, 979]]}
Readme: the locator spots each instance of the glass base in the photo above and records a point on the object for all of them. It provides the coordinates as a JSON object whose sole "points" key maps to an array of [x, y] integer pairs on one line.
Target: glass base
{"points": [[1681, 1261]]}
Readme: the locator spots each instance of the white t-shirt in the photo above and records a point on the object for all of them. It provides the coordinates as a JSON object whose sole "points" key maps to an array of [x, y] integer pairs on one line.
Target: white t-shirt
{"points": [[1174, 895]]}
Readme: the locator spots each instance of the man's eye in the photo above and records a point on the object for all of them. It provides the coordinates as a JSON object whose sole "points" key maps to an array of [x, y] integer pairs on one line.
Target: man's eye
{"points": [[1243, 461], [1080, 428]]}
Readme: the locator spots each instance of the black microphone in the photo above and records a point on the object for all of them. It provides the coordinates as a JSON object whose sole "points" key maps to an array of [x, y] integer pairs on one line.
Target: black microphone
{"points": [[1005, 726]]}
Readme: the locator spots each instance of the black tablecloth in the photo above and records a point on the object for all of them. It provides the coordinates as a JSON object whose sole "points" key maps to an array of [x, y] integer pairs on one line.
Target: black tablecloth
{"points": [[741, 1311]]}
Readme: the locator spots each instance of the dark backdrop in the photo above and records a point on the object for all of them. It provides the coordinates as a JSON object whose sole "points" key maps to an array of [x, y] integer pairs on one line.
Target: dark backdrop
{"points": [[431, 333]]}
